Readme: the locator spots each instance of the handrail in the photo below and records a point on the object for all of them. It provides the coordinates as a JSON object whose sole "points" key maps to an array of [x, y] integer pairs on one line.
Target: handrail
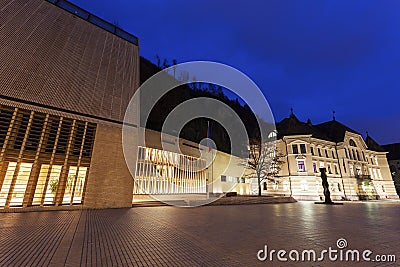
{"points": [[95, 20]]}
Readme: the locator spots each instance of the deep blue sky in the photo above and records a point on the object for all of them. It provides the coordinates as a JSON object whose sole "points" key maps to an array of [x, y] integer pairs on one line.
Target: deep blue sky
{"points": [[315, 56]]}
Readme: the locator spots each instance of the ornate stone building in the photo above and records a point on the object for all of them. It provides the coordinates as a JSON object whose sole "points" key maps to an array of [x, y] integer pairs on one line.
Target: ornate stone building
{"points": [[357, 169], [66, 79]]}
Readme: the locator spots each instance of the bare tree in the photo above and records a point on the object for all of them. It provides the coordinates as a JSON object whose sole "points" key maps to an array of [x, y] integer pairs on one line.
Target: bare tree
{"points": [[264, 161], [158, 61]]}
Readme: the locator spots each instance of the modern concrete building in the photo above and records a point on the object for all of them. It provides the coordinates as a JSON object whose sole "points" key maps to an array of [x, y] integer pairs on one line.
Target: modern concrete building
{"points": [[357, 169], [169, 175]]}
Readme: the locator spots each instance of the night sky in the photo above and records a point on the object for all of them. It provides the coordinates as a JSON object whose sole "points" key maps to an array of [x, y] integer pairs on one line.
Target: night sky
{"points": [[315, 56]]}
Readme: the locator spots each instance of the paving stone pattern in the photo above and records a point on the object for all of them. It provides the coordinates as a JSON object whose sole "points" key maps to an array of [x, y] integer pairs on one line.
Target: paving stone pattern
{"points": [[204, 236]]}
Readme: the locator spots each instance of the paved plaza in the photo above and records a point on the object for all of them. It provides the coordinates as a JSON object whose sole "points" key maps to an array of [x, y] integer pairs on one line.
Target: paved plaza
{"points": [[204, 236]]}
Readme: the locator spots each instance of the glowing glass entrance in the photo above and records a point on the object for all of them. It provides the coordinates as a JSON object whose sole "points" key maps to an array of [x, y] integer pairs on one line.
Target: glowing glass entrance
{"points": [[164, 172], [16, 182], [44, 158]]}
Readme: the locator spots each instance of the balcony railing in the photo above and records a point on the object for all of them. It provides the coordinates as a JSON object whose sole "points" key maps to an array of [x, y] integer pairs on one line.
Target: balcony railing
{"points": [[99, 22]]}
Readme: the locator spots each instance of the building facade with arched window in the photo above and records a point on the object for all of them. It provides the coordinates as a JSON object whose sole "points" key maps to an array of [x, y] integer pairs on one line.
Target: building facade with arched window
{"points": [[64, 88], [357, 169]]}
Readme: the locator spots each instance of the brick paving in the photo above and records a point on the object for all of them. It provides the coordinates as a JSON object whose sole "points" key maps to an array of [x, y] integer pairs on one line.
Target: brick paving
{"points": [[204, 236]]}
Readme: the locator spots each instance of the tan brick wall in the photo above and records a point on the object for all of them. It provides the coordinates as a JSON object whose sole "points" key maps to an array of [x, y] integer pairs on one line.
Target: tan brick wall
{"points": [[51, 57], [110, 184]]}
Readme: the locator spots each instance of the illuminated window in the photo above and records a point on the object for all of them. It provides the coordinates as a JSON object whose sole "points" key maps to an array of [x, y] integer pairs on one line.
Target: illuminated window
{"points": [[74, 181], [30, 177], [164, 172], [20, 184], [7, 183], [301, 166], [41, 183], [52, 185], [272, 134]]}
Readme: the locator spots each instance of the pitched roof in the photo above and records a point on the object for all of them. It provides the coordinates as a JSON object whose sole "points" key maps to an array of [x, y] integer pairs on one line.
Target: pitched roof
{"points": [[335, 130], [373, 145], [293, 126], [394, 151]]}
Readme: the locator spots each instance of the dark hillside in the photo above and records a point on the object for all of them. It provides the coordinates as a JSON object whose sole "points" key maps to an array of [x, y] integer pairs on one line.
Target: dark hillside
{"points": [[196, 130]]}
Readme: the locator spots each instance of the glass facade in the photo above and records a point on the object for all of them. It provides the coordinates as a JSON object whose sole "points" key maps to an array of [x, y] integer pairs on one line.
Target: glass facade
{"points": [[44, 159], [164, 172]]}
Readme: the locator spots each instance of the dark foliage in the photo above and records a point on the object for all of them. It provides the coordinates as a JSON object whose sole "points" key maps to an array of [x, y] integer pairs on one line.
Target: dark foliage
{"points": [[196, 130]]}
